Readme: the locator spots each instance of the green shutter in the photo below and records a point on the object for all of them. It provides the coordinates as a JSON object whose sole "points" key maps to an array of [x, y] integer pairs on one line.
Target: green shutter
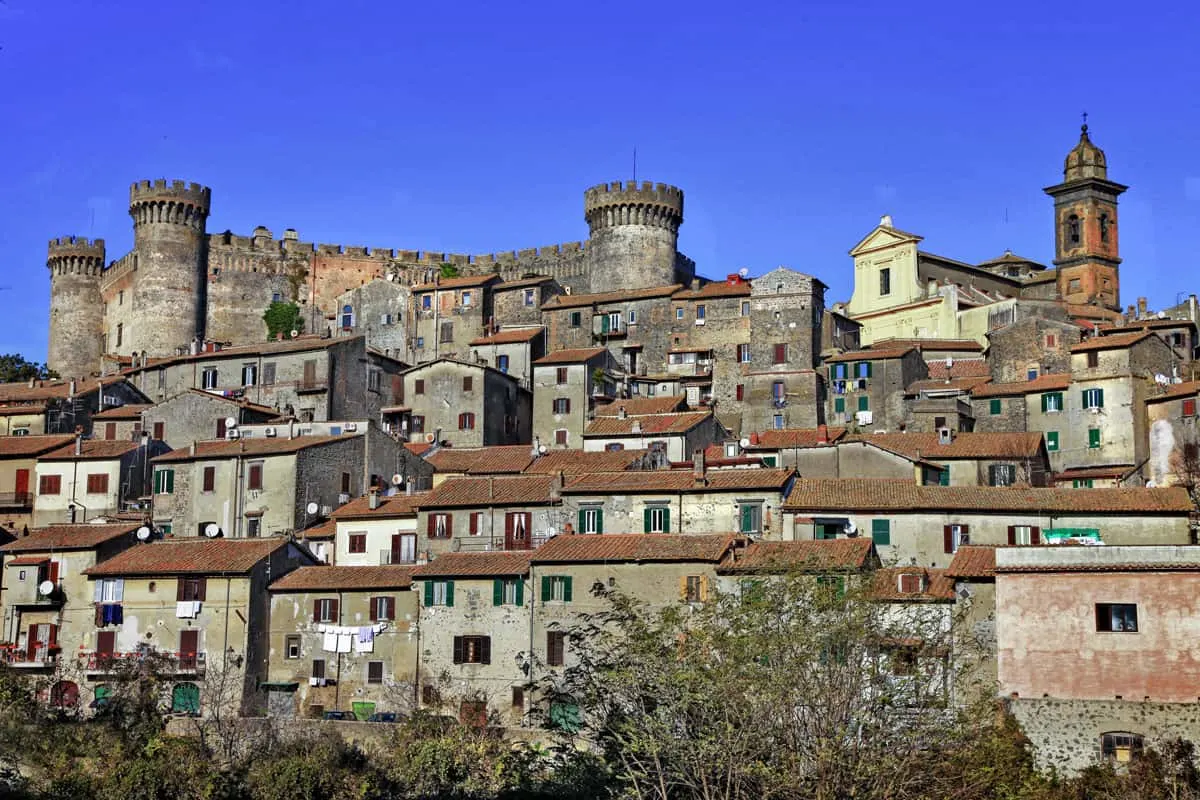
{"points": [[428, 593], [599, 520], [581, 529], [1052, 440], [1093, 437], [646, 520], [604, 323], [994, 406], [944, 477], [1100, 398], [864, 403], [881, 531], [498, 592], [545, 588], [170, 481], [1045, 401], [868, 363], [666, 520], [158, 481], [449, 594], [567, 589], [768, 461], [747, 520], [520, 591], [839, 405]]}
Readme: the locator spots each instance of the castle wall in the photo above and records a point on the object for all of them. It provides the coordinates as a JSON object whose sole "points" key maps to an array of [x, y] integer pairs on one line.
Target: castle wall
{"points": [[76, 306]]}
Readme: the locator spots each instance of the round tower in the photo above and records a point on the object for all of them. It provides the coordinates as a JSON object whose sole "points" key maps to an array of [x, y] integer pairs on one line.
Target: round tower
{"points": [[170, 244], [76, 308], [633, 235]]}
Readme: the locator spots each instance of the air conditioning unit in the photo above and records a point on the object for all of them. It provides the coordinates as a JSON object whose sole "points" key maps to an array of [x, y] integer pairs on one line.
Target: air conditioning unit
{"points": [[326, 511], [343, 498], [350, 427], [269, 432], [233, 434], [865, 417]]}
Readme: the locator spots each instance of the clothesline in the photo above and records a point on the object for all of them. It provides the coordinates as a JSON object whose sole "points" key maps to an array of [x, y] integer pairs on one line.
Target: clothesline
{"points": [[342, 638]]}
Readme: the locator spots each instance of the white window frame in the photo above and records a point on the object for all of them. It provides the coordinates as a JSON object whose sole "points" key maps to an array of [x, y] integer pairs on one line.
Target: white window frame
{"points": [[591, 519], [614, 321], [1023, 534], [631, 317], [467, 299], [958, 537], [440, 591], [558, 588], [745, 308], [441, 524], [1091, 398], [209, 378], [658, 518]]}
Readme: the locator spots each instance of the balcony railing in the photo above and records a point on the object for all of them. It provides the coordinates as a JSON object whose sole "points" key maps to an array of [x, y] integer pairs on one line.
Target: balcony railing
{"points": [[181, 663], [43, 655], [394, 557], [16, 499], [483, 544]]}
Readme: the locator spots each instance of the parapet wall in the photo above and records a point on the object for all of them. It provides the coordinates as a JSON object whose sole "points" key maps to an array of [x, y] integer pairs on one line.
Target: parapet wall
{"points": [[176, 191], [75, 255]]}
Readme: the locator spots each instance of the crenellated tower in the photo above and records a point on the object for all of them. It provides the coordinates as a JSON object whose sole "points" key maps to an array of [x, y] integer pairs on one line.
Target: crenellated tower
{"points": [[634, 233], [170, 248], [76, 308]]}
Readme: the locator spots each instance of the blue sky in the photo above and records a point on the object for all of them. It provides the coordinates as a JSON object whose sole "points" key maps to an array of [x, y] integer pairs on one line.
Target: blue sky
{"points": [[473, 127]]}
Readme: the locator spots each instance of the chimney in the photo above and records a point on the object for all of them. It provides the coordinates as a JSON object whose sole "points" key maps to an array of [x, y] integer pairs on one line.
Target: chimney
{"points": [[78, 443], [33, 383], [621, 414], [556, 486], [822, 434], [373, 499], [698, 467], [192, 448], [568, 529], [636, 427], [1141, 306], [71, 387]]}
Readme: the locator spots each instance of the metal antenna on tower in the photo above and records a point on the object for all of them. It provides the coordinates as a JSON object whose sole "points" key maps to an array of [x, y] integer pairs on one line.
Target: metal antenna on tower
{"points": [[635, 165]]}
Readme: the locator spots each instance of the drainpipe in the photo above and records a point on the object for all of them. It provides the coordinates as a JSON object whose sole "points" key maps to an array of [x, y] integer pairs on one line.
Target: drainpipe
{"points": [[337, 685]]}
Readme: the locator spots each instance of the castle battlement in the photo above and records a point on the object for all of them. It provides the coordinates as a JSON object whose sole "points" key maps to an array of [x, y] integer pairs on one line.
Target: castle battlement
{"points": [[618, 193], [75, 255], [179, 202]]}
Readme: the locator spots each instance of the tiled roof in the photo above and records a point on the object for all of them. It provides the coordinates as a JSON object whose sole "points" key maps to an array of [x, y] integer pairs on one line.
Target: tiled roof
{"points": [[1177, 390], [811, 555], [1111, 342], [1010, 258], [396, 505], [885, 585], [959, 368], [579, 462], [678, 480], [418, 448], [965, 345], [521, 283], [1055, 382], [902, 494], [794, 438], [471, 565], [462, 282], [253, 446], [575, 356], [973, 561], [1142, 324], [193, 556], [482, 460], [499, 490], [92, 450], [871, 355], [584, 548], [131, 411], [332, 579], [51, 389], [22, 409], [235, 401], [1019, 444], [646, 424], [1111, 471], [662, 404], [941, 384], [715, 289], [68, 537], [301, 344], [512, 336], [578, 300], [322, 530], [27, 446]]}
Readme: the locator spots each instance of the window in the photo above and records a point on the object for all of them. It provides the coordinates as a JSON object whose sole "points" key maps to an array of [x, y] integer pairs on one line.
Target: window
{"points": [[472, 649], [560, 437], [745, 308], [518, 697], [700, 314], [291, 646], [1052, 441], [955, 537], [885, 281], [591, 520], [562, 405], [1120, 747], [467, 298], [1104, 227], [416, 423], [1116, 617], [777, 422], [1002, 474], [1093, 438], [508, 592], [528, 297], [612, 322], [840, 371], [446, 332], [749, 518], [97, 484], [1074, 285], [576, 319], [383, 609], [347, 317], [253, 527], [995, 406], [1024, 534], [420, 342], [1082, 483], [656, 519], [439, 526], [208, 378], [1052, 402], [191, 589], [439, 593], [560, 375], [632, 317], [110, 590], [839, 405], [1189, 407], [358, 543], [419, 386], [254, 476], [1051, 340], [910, 583], [862, 369], [1093, 359], [881, 532], [249, 374], [778, 394], [466, 421], [120, 333], [325, 610], [209, 479], [864, 403], [556, 648], [943, 477], [121, 297], [468, 383], [430, 696], [1073, 229], [1031, 374], [556, 588], [502, 364], [373, 380], [426, 302], [693, 588], [159, 431], [386, 319], [679, 312], [374, 672], [740, 392], [743, 353], [318, 668], [164, 481]]}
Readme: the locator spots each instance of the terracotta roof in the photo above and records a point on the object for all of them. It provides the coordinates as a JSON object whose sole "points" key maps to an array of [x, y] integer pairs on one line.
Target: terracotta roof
{"points": [[1111, 471], [130, 411], [482, 460], [811, 555], [69, 537], [575, 356], [678, 480], [966, 345], [585, 548], [1055, 382], [871, 355], [577, 300], [512, 336], [1177, 390], [973, 561], [785, 438], [1111, 341], [396, 505], [885, 585], [715, 289], [579, 462], [941, 384], [1109, 328], [322, 530], [461, 282], [27, 561], [470, 565], [234, 401], [646, 424], [662, 404], [902, 494], [192, 556], [252, 446], [28, 446], [92, 450], [1019, 444], [22, 409], [1010, 258], [959, 368], [51, 389], [418, 448], [301, 344], [500, 490], [521, 283], [331, 579]]}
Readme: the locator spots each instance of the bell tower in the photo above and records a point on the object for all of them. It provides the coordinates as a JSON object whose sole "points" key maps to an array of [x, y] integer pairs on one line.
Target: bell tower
{"points": [[1086, 254]]}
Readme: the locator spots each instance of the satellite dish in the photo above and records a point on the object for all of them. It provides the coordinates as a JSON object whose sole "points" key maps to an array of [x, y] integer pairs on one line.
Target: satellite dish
{"points": [[743, 443], [397, 479], [391, 276], [312, 508], [46, 588], [542, 449], [143, 534], [295, 333], [230, 422], [850, 527], [744, 272], [212, 530], [551, 531]]}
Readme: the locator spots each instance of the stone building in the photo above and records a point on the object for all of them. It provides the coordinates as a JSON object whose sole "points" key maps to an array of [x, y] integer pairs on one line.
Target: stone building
{"points": [[973, 571], [1178, 334], [463, 403], [1035, 344], [122, 422], [196, 415], [343, 638], [18, 469], [677, 435], [379, 311], [449, 313], [511, 350], [92, 479], [867, 387], [566, 387], [449, 462], [377, 530], [1173, 436], [60, 406], [493, 512], [957, 459]]}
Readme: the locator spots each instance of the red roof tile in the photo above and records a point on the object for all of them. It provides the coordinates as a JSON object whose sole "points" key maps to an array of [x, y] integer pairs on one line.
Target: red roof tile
{"points": [[973, 561], [69, 537], [812, 555], [322, 530], [1111, 341], [396, 505], [716, 480], [959, 368], [1077, 473], [1042, 383], [942, 384], [332, 579], [964, 445], [579, 462], [471, 565], [190, 556], [574, 356], [500, 490], [937, 586], [870, 355], [586, 548], [902, 494], [578, 300], [715, 289], [1177, 390], [785, 438], [130, 411], [252, 446], [29, 446], [301, 344], [482, 460], [521, 283], [1110, 328], [51, 389], [635, 406], [646, 424], [512, 336], [965, 345], [461, 282], [92, 450]]}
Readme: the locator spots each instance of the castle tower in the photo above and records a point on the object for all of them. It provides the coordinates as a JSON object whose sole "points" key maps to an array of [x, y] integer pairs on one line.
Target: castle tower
{"points": [[1085, 228], [169, 240], [76, 308], [634, 231]]}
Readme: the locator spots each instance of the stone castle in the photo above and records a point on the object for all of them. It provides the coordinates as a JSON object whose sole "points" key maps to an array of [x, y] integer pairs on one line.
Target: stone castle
{"points": [[182, 285]]}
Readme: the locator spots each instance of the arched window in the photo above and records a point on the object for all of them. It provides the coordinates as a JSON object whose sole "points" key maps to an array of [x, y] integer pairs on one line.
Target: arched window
{"points": [[1073, 229], [1104, 225], [347, 316], [64, 694], [1120, 746], [185, 699]]}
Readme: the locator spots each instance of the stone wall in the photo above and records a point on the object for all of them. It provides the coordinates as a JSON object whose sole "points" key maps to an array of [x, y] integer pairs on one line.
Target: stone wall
{"points": [[76, 306]]}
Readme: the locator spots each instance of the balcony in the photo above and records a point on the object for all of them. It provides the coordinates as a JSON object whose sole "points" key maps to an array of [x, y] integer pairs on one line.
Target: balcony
{"points": [[387, 557], [41, 657], [16, 499], [483, 544], [311, 386], [96, 663]]}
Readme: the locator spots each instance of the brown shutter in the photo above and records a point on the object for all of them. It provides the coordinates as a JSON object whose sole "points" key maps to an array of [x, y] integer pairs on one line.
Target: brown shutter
{"points": [[432, 525], [189, 642], [221, 428], [449, 526], [372, 604], [160, 431], [474, 523], [1035, 535], [110, 430], [391, 607], [458, 649], [948, 537], [509, 520], [180, 584], [106, 642], [201, 588], [316, 610], [485, 649], [1012, 534], [334, 610], [683, 588]]}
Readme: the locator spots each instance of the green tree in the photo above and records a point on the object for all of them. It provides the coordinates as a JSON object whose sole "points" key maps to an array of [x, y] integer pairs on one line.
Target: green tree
{"points": [[448, 270], [14, 368], [283, 318]]}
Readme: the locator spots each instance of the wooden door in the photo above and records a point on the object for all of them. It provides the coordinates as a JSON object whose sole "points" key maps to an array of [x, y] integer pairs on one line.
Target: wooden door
{"points": [[22, 486], [110, 430], [516, 531], [106, 644], [189, 647]]}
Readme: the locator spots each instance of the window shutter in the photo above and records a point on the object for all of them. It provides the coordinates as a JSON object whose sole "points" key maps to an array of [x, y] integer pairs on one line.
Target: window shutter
{"points": [[374, 609], [428, 593], [474, 518], [179, 583], [545, 588], [458, 649], [666, 520], [333, 610], [316, 608], [497, 592], [581, 529], [52, 641], [683, 581], [703, 588], [520, 591], [599, 521], [485, 650], [567, 589], [1012, 534], [170, 481], [449, 594], [868, 363], [1100, 397], [1044, 401], [948, 536], [431, 527], [1035, 535], [646, 520]]}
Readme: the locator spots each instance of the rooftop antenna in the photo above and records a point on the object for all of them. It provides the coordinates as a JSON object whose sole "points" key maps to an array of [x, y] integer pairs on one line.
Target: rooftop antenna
{"points": [[635, 165]]}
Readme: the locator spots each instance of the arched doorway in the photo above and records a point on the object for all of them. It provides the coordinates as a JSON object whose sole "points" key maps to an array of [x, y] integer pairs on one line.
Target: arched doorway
{"points": [[185, 698], [64, 694]]}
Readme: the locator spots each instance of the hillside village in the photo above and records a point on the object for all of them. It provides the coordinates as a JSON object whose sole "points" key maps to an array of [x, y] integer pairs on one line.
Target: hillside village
{"points": [[407, 499]]}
